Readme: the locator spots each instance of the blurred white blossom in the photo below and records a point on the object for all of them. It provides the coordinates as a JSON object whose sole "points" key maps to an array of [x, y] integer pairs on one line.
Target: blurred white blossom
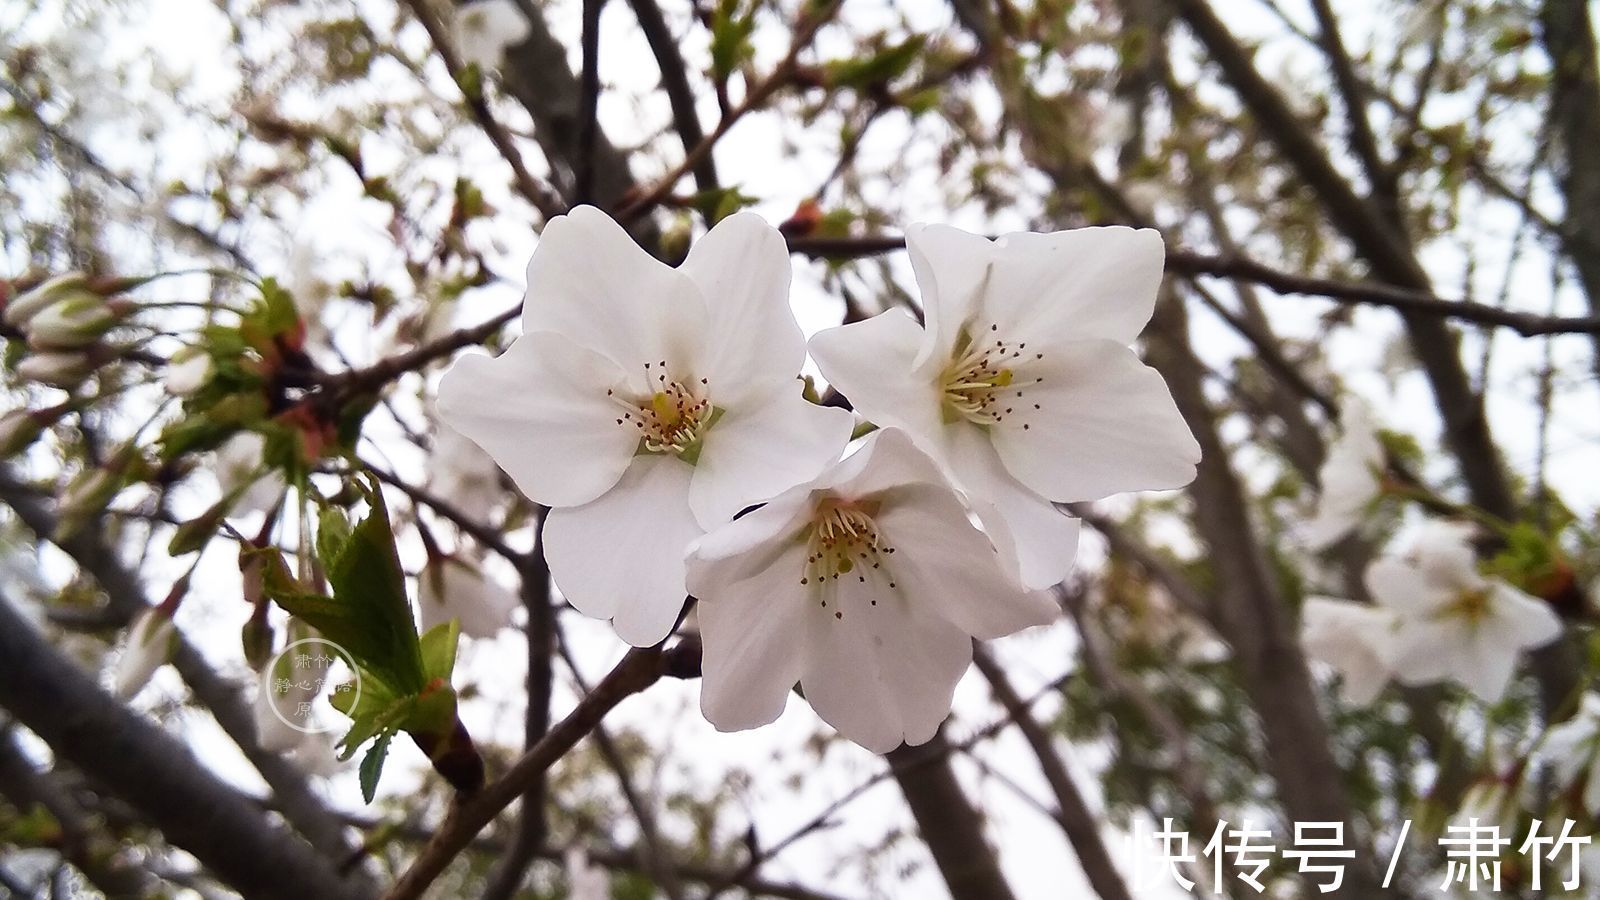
{"points": [[151, 640], [484, 29], [451, 588], [1450, 622], [585, 881], [1349, 478], [1356, 639], [188, 372], [1572, 750], [239, 468], [462, 474]]}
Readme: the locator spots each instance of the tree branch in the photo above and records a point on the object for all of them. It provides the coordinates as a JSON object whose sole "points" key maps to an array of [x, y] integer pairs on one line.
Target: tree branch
{"points": [[1072, 812], [948, 822], [144, 766], [639, 669]]}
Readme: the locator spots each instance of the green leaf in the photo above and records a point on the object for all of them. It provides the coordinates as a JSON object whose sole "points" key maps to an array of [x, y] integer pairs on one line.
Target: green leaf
{"points": [[879, 69], [369, 722], [730, 38], [372, 767], [333, 532], [439, 650], [364, 570]]}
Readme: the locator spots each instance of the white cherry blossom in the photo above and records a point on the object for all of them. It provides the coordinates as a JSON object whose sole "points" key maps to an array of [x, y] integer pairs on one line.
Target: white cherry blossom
{"points": [[278, 698], [484, 29], [239, 471], [1023, 385], [865, 587], [1572, 750], [1356, 639], [188, 373], [1349, 478], [646, 405], [151, 639], [1454, 624], [452, 588], [465, 476]]}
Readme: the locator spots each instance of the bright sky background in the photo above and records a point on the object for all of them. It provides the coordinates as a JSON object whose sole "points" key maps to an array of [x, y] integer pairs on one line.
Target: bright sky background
{"points": [[189, 36]]}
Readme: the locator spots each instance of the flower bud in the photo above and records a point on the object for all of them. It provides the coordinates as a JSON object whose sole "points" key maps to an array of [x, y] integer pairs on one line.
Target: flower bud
{"points": [[197, 532], [73, 323], [151, 641], [21, 427], [21, 310], [62, 370], [188, 372], [18, 429], [91, 491]]}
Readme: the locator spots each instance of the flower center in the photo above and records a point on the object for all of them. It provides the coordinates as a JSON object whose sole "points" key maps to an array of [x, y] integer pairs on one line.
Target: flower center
{"points": [[844, 542], [987, 381], [1471, 606], [672, 418]]}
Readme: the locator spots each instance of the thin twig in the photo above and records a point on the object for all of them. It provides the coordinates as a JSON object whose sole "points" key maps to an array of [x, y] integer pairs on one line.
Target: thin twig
{"points": [[639, 669]]}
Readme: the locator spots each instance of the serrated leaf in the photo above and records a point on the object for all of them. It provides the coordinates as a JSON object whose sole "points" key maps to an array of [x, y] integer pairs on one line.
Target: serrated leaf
{"points": [[366, 576], [372, 767]]}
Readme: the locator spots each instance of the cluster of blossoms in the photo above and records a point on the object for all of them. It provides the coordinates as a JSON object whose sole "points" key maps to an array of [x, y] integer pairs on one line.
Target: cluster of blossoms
{"points": [[649, 406], [1434, 618]]}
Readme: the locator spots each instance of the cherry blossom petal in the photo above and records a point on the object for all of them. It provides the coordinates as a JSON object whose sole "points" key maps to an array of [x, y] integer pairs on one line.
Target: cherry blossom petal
{"points": [[589, 282], [1081, 284], [541, 411], [881, 675], [1403, 587], [872, 363], [1519, 619], [737, 548], [1443, 551], [1485, 667], [151, 640], [1042, 540], [775, 441], [1107, 424], [742, 269], [1427, 651], [954, 269], [942, 560], [458, 590], [620, 557], [1348, 479], [753, 654], [1355, 639]]}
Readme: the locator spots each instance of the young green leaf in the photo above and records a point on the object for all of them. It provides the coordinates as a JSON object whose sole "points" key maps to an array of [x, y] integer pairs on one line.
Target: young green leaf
{"points": [[372, 767]]}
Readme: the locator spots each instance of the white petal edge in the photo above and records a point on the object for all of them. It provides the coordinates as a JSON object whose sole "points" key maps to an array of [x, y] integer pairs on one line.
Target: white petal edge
{"points": [[540, 410], [943, 561], [873, 363], [591, 283], [1107, 425], [621, 557], [755, 452], [742, 269]]}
